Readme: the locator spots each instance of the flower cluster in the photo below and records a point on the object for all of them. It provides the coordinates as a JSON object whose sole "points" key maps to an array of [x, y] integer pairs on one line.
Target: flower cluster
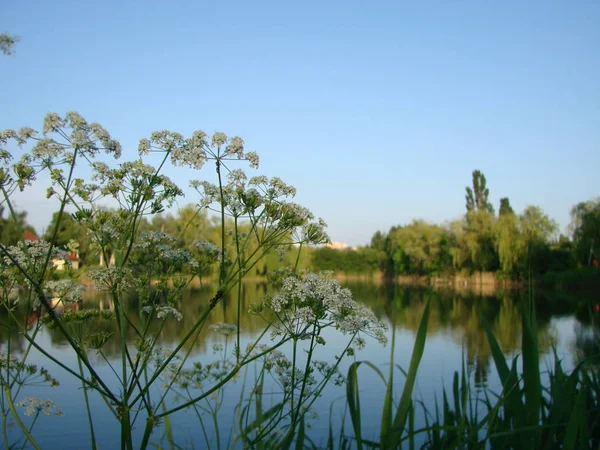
{"points": [[25, 373], [65, 291], [265, 203], [163, 311], [195, 151], [135, 183], [33, 258], [159, 247], [111, 278], [309, 301], [198, 376], [224, 329], [34, 405], [73, 136]]}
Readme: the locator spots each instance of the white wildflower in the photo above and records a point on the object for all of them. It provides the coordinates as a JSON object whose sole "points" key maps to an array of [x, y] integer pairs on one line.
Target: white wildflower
{"points": [[34, 405], [225, 329], [253, 159], [163, 311]]}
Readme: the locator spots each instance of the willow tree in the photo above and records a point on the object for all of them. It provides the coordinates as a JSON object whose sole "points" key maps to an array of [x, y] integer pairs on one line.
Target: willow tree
{"points": [[509, 243], [585, 226]]}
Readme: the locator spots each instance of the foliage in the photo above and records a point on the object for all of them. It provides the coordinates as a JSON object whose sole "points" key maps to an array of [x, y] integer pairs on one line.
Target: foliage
{"points": [[477, 197], [516, 246], [363, 260], [68, 230], [505, 208], [585, 226], [525, 414], [419, 248], [147, 275], [13, 227]]}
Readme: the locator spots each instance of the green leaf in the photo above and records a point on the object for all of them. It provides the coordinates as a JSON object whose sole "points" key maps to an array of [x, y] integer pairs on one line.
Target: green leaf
{"points": [[406, 398]]}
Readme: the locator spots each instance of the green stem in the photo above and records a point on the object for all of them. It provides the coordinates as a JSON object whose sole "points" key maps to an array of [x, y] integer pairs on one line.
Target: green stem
{"points": [[306, 374], [298, 257], [126, 439], [216, 426], [37, 414], [239, 293], [223, 381], [222, 268], [87, 406], [293, 386], [4, 428], [103, 392], [150, 422], [174, 352], [21, 425]]}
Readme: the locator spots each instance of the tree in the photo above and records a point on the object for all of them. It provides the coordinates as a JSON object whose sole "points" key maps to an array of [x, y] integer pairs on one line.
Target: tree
{"points": [[585, 227], [480, 240], [477, 197], [537, 230], [378, 241], [68, 230], [12, 227], [536, 225], [7, 42], [505, 207], [419, 248], [509, 241], [479, 232]]}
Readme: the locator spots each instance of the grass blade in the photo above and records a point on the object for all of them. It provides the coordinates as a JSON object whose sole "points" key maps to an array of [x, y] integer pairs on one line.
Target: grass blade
{"points": [[406, 399], [531, 372]]}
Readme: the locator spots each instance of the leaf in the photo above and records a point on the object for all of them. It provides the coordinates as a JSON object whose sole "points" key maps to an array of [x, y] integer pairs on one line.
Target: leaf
{"points": [[406, 398]]}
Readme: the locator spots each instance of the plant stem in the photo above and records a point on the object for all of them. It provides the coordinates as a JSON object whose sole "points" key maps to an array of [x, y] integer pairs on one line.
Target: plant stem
{"points": [[21, 425], [239, 290], [87, 406], [222, 266]]}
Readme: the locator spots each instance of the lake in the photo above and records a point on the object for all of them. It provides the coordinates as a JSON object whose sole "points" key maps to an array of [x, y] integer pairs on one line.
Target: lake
{"points": [[455, 335]]}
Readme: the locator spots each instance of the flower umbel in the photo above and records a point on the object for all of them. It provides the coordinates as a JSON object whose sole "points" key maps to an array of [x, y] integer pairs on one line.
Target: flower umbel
{"points": [[309, 300]]}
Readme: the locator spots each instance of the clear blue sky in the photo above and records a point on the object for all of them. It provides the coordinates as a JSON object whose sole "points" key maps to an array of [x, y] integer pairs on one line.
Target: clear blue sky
{"points": [[376, 111]]}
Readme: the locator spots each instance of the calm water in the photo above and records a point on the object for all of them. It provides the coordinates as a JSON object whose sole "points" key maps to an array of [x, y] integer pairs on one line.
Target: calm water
{"points": [[455, 335]]}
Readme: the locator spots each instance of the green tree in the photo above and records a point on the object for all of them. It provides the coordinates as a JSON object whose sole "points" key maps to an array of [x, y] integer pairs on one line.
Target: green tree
{"points": [[477, 196], [509, 242], [585, 227], [378, 241], [459, 250], [537, 230], [69, 230], [480, 240], [479, 233], [419, 248], [505, 207], [12, 227]]}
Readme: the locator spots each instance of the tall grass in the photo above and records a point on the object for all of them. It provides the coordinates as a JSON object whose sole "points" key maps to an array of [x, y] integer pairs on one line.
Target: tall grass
{"points": [[532, 410]]}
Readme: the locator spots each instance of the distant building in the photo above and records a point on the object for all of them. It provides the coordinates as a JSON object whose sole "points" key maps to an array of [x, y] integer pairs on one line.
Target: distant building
{"points": [[337, 245], [71, 258], [30, 236]]}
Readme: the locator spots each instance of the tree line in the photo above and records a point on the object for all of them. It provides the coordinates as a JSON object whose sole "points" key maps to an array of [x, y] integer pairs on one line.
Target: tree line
{"points": [[513, 245]]}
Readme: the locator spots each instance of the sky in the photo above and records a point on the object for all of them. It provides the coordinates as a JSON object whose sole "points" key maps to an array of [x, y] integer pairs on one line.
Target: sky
{"points": [[377, 112]]}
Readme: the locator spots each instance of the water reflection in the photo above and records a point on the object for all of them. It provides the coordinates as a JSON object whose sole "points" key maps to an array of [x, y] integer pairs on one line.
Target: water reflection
{"points": [[455, 314], [572, 324]]}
